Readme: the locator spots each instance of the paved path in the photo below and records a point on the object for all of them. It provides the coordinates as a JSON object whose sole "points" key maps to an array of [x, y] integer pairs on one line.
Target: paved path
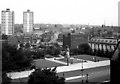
{"points": [[53, 60], [86, 65]]}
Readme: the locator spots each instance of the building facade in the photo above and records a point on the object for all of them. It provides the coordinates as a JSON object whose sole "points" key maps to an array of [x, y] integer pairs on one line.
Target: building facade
{"points": [[7, 22], [28, 21], [103, 44], [73, 40]]}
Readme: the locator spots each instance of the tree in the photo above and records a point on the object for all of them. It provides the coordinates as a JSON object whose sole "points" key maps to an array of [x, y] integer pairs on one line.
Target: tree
{"points": [[56, 45], [56, 52], [13, 59], [8, 52], [45, 76], [4, 37], [24, 57], [84, 48], [74, 51], [109, 33], [40, 53], [53, 50], [27, 45], [99, 32]]}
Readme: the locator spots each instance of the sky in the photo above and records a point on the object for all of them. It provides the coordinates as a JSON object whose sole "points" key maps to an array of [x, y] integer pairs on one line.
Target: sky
{"points": [[92, 12]]}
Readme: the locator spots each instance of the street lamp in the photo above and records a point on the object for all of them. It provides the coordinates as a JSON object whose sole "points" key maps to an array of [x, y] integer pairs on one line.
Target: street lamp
{"points": [[82, 70], [87, 78]]}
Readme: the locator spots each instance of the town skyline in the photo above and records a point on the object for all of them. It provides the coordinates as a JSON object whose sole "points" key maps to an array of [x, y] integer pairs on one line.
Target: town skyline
{"points": [[94, 12]]}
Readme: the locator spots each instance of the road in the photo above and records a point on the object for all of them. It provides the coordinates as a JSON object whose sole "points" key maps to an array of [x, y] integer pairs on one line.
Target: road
{"points": [[98, 74]]}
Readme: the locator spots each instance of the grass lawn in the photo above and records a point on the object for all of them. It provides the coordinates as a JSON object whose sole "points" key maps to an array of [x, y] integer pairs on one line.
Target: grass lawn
{"points": [[70, 60], [90, 57], [42, 63], [84, 57]]}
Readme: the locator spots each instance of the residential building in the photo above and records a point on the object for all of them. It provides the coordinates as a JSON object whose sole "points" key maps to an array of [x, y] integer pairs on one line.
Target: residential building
{"points": [[7, 22], [28, 21]]}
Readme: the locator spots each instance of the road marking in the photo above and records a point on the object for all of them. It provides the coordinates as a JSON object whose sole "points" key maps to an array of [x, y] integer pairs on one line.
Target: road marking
{"points": [[74, 77]]}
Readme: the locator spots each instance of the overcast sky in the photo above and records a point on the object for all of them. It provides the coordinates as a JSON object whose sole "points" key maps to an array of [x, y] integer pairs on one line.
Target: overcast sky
{"points": [[93, 12]]}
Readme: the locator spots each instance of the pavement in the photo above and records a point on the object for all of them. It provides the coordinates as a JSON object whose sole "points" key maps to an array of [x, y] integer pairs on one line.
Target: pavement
{"points": [[78, 66], [71, 68]]}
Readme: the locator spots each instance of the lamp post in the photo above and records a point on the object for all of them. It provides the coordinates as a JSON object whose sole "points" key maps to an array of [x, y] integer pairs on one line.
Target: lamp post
{"points": [[82, 70], [87, 78]]}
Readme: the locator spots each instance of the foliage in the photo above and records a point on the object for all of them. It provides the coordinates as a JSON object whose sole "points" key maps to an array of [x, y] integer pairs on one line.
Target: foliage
{"points": [[74, 51], [27, 45], [39, 53], [84, 48], [52, 50], [4, 37], [102, 53], [13, 59], [45, 76]]}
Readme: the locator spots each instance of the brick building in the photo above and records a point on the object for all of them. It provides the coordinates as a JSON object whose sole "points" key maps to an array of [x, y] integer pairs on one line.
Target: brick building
{"points": [[72, 40]]}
